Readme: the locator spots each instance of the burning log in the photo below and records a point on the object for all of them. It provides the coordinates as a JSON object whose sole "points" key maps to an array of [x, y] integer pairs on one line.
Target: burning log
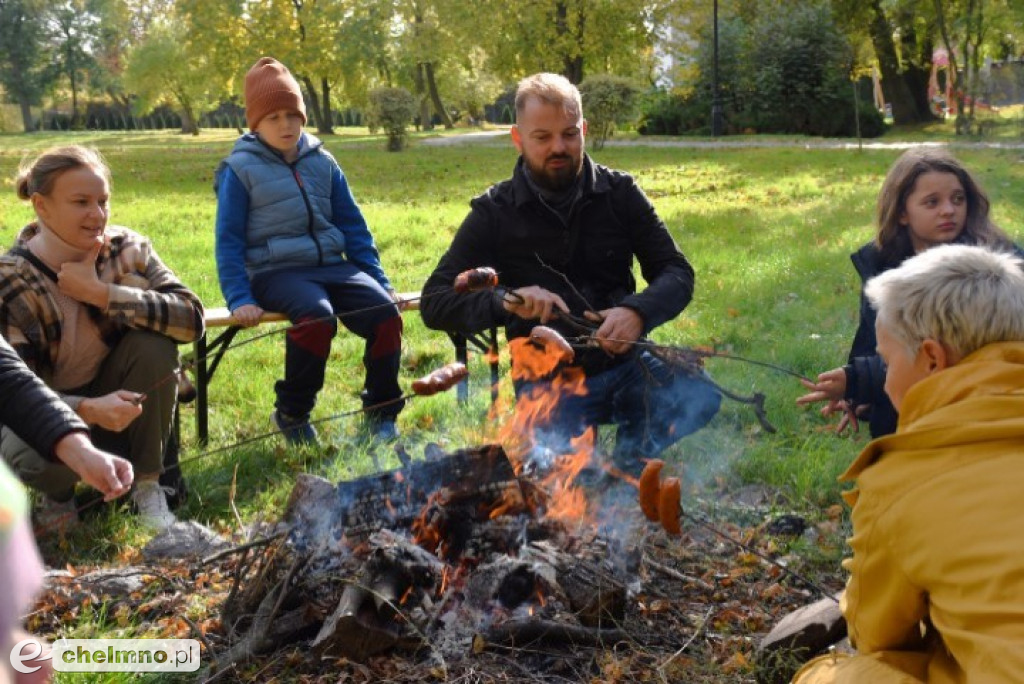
{"points": [[367, 619], [522, 632], [438, 552]]}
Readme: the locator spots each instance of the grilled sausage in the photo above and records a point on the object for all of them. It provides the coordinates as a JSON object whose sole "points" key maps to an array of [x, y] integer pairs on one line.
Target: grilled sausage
{"points": [[440, 380], [552, 341], [476, 279], [669, 505], [650, 488]]}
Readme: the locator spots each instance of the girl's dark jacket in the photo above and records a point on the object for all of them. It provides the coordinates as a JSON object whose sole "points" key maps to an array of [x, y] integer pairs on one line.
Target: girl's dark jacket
{"points": [[865, 371], [510, 229]]}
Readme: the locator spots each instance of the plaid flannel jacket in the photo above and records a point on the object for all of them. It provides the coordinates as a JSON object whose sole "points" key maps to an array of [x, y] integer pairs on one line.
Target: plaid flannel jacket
{"points": [[144, 294]]}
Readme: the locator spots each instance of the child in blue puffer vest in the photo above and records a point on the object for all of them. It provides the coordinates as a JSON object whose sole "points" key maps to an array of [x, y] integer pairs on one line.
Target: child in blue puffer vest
{"points": [[291, 239]]}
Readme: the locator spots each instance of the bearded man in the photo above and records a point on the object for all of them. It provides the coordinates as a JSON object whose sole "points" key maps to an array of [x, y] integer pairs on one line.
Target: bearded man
{"points": [[562, 234]]}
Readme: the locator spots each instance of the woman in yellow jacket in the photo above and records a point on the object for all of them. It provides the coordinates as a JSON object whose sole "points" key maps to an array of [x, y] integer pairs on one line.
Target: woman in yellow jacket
{"points": [[936, 588]]}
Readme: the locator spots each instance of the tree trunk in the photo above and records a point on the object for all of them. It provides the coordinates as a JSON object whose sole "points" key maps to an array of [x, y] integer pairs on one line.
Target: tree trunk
{"points": [[435, 97], [73, 76], [894, 87], [572, 65], [26, 113], [917, 67], [189, 123], [425, 122], [313, 104], [327, 119]]}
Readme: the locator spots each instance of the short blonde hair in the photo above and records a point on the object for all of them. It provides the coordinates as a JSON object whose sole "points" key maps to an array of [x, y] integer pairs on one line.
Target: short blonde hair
{"points": [[962, 296], [552, 89]]}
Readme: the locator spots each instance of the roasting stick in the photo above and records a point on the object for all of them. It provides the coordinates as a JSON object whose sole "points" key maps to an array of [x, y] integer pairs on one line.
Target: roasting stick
{"points": [[439, 380], [660, 501]]}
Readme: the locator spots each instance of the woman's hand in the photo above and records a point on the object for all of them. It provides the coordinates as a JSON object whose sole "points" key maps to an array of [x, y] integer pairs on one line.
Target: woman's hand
{"points": [[114, 411], [111, 475], [247, 315], [78, 280]]}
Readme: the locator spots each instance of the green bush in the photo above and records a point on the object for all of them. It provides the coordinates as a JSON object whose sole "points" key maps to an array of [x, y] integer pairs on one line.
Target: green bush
{"points": [[391, 110], [665, 113], [607, 100]]}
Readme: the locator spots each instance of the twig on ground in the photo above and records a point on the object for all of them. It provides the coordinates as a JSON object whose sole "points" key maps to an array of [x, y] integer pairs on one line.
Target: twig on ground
{"points": [[202, 637], [696, 633], [243, 547], [671, 572]]}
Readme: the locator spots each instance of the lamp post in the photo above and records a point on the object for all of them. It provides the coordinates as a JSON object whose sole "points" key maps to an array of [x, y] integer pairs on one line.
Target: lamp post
{"points": [[716, 101]]}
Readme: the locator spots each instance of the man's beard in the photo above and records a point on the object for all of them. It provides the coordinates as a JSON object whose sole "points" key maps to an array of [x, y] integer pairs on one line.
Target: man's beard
{"points": [[555, 180]]}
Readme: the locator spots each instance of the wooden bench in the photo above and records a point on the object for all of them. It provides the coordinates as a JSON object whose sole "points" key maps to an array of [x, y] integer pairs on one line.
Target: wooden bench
{"points": [[207, 354]]}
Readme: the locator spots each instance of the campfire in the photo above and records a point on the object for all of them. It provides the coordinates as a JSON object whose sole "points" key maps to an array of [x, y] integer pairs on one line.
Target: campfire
{"points": [[513, 544]]}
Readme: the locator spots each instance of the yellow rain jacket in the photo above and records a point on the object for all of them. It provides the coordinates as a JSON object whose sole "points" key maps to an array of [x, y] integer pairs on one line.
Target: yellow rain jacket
{"points": [[936, 588]]}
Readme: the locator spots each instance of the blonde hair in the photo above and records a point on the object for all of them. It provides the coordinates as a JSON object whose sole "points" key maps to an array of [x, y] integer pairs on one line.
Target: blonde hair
{"points": [[962, 296], [40, 174], [893, 238], [552, 89]]}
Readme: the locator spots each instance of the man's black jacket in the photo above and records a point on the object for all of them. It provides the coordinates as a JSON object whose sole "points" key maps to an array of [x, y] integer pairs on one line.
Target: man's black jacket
{"points": [[510, 229]]}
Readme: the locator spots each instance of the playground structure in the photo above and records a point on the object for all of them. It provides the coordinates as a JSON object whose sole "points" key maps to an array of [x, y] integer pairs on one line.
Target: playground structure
{"points": [[941, 84]]}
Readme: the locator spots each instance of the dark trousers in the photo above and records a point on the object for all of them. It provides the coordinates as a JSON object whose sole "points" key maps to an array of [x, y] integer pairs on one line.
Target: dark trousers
{"points": [[141, 362], [319, 297], [651, 404]]}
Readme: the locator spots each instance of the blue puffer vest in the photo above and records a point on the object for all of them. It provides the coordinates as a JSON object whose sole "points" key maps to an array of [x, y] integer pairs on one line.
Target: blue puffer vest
{"points": [[289, 206]]}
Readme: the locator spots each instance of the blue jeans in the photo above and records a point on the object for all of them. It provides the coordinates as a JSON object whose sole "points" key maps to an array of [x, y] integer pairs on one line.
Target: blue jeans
{"points": [[652, 405], [326, 292]]}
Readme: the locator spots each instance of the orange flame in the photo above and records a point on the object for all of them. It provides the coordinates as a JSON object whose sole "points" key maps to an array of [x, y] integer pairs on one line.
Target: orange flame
{"points": [[534, 408]]}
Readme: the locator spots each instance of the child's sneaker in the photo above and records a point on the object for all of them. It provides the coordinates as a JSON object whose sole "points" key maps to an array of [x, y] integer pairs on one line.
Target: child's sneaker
{"points": [[56, 516], [150, 500], [296, 431], [384, 430]]}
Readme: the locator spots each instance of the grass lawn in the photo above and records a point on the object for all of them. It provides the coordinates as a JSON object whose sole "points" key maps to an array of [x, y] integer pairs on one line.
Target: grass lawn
{"points": [[769, 232]]}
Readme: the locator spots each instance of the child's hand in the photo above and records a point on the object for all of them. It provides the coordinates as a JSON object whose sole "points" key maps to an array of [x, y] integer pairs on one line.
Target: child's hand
{"points": [[399, 302], [830, 387], [247, 315]]}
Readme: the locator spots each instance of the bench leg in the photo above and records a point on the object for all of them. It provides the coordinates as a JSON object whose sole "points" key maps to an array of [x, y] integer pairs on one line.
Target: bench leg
{"points": [[462, 356], [202, 399], [492, 357]]}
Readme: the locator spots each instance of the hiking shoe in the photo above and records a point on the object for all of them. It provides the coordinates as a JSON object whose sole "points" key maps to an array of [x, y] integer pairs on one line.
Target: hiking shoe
{"points": [[150, 500], [296, 431], [56, 516]]}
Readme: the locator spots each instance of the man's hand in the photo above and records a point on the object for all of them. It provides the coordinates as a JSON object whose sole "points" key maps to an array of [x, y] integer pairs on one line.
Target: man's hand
{"points": [[534, 303], [111, 475], [78, 280], [114, 411], [620, 328], [247, 315]]}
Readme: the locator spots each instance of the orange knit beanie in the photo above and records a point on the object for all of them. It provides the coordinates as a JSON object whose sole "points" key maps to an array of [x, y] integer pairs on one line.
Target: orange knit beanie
{"points": [[269, 86]]}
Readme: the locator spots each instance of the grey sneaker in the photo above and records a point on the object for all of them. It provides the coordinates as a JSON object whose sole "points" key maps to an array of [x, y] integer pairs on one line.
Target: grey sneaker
{"points": [[150, 500], [384, 430], [56, 516]]}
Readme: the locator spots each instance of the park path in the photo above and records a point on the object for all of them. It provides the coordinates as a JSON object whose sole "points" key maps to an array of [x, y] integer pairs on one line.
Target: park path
{"points": [[500, 133]]}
